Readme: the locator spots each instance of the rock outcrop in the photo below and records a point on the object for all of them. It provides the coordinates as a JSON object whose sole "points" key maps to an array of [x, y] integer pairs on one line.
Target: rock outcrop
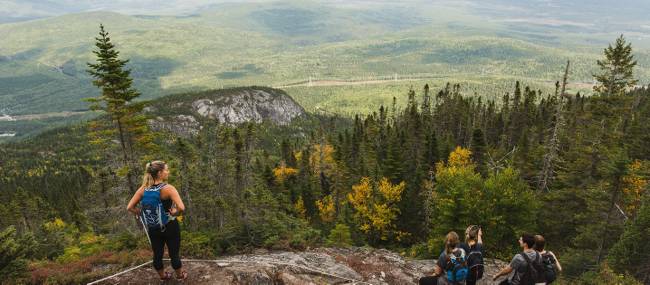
{"points": [[317, 266], [183, 125], [184, 115], [249, 105]]}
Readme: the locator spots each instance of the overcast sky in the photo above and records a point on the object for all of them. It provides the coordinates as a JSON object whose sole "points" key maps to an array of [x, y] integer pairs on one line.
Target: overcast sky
{"points": [[44, 8]]}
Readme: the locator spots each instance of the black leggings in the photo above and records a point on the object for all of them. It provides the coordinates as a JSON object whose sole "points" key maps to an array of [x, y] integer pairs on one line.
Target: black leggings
{"points": [[172, 237], [428, 280], [431, 280]]}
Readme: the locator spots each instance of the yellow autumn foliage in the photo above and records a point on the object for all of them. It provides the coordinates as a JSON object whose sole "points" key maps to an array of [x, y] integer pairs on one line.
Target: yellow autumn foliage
{"points": [[54, 225], [299, 207], [282, 172], [326, 209], [376, 208], [460, 157], [322, 158], [460, 161], [634, 184]]}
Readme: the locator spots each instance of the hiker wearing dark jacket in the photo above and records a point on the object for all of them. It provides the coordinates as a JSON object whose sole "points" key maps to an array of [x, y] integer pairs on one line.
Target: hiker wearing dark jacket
{"points": [[162, 229], [520, 264], [473, 245]]}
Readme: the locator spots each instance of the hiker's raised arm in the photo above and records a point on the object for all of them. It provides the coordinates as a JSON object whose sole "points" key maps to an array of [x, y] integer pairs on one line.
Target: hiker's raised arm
{"points": [[480, 236], [557, 261], [134, 201]]}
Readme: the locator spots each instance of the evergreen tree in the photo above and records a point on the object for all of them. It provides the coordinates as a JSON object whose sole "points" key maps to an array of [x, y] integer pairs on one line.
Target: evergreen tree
{"points": [[478, 151], [631, 254], [124, 120], [617, 69], [13, 264]]}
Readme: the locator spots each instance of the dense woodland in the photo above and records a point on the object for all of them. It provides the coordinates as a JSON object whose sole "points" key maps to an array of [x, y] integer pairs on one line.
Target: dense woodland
{"points": [[570, 167]]}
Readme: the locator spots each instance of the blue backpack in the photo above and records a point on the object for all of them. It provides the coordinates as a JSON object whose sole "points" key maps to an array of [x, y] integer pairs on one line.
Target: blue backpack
{"points": [[153, 213], [456, 266]]}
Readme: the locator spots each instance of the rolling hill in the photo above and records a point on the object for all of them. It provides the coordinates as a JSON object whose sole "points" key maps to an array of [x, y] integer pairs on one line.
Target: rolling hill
{"points": [[43, 61]]}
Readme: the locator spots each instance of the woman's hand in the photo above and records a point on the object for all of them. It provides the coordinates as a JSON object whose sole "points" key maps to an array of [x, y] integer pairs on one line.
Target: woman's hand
{"points": [[173, 211]]}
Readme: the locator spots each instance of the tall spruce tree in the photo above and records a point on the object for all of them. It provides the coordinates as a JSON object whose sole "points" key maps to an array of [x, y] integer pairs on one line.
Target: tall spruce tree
{"points": [[124, 121], [617, 69]]}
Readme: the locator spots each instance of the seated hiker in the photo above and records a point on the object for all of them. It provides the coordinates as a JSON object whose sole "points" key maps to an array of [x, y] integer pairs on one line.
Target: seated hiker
{"points": [[551, 263], [160, 204], [451, 267], [473, 246], [526, 267]]}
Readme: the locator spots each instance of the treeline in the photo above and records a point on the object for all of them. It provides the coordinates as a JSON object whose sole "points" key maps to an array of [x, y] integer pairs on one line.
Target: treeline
{"points": [[398, 178]]}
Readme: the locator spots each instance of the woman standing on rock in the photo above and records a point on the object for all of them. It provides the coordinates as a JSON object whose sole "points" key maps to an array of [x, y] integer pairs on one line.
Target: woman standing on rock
{"points": [[160, 204]]}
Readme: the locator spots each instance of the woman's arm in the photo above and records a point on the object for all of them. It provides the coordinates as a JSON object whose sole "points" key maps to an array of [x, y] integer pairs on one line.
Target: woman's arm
{"points": [[437, 271], [176, 198], [480, 238], [134, 201], [557, 261], [504, 271]]}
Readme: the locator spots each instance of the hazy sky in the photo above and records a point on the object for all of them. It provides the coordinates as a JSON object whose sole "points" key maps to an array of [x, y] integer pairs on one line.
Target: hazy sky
{"points": [[44, 8], [596, 10]]}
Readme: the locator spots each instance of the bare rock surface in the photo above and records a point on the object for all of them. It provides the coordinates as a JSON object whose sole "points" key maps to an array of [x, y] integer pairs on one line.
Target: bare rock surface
{"points": [[316, 266], [249, 105], [184, 115], [183, 125]]}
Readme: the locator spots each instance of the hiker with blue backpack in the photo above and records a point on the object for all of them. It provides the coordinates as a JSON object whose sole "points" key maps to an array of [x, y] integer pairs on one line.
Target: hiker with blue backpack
{"points": [[526, 267], [551, 264], [451, 267], [473, 247], [160, 203]]}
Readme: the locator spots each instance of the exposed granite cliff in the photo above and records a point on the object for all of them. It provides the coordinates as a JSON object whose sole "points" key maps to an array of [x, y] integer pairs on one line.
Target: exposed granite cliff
{"points": [[183, 114]]}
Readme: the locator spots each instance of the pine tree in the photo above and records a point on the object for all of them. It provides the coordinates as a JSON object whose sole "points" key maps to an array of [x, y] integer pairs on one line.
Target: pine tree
{"points": [[617, 69], [124, 120], [630, 254], [478, 151]]}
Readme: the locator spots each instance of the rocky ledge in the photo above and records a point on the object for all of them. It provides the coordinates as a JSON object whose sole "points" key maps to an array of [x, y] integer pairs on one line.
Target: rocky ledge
{"points": [[316, 266]]}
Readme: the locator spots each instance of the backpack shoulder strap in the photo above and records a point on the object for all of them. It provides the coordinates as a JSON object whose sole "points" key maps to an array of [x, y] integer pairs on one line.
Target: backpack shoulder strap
{"points": [[525, 256]]}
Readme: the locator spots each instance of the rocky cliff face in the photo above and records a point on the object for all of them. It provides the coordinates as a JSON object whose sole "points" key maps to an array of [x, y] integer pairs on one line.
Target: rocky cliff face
{"points": [[233, 106], [249, 105], [317, 266]]}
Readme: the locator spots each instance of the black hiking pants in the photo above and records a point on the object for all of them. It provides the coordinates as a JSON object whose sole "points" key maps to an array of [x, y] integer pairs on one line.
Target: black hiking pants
{"points": [[172, 238], [431, 280]]}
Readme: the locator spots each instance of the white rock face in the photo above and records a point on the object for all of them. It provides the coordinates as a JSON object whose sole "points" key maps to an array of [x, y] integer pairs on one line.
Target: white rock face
{"points": [[249, 106], [183, 125]]}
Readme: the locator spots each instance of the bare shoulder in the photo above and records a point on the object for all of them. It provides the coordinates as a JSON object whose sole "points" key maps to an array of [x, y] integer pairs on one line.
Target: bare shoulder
{"points": [[168, 189]]}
